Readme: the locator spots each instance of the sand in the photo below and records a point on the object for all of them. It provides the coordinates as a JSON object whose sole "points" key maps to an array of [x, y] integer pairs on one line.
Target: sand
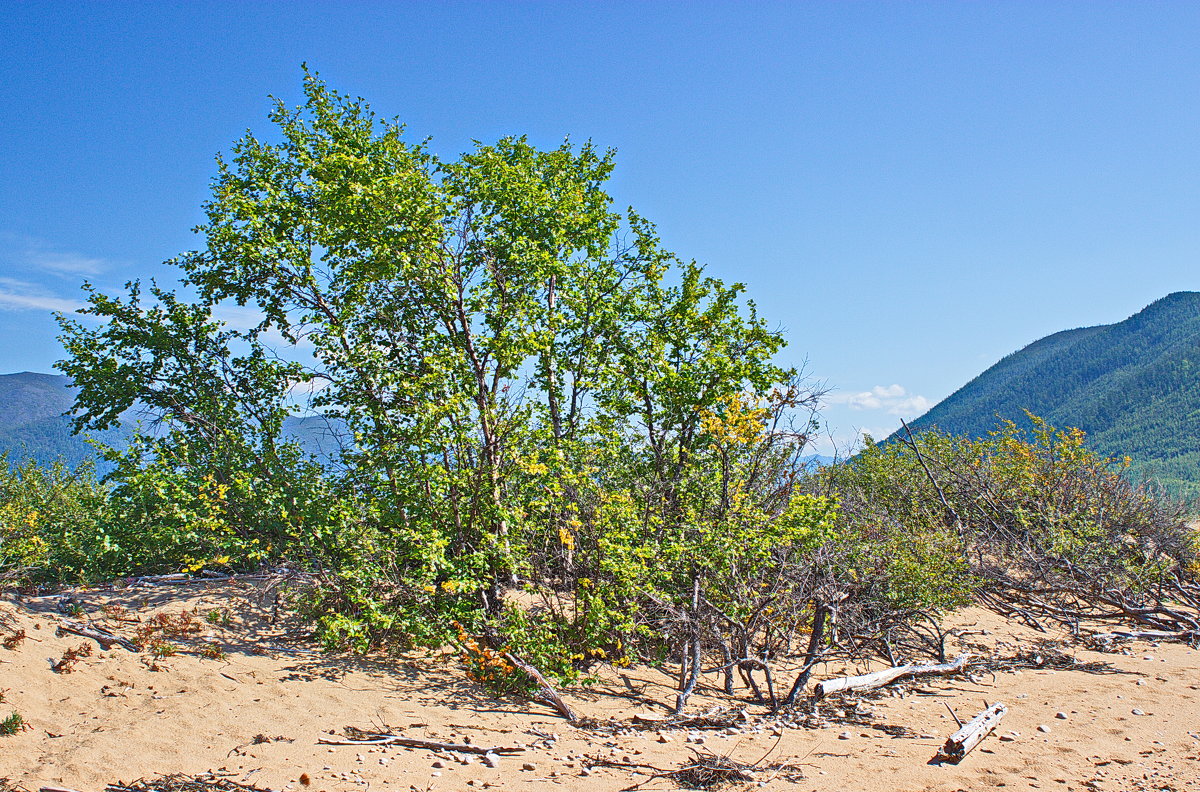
{"points": [[256, 713]]}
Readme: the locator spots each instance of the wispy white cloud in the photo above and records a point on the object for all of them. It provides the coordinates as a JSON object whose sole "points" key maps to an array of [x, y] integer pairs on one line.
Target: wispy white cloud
{"points": [[894, 399], [14, 301], [41, 257], [66, 263]]}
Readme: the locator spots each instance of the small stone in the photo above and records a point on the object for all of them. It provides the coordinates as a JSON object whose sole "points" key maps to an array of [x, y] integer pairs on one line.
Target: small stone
{"points": [[436, 773], [845, 736], [1137, 712], [663, 738], [529, 766], [585, 772], [1044, 729], [698, 740], [1060, 715], [491, 761], [1007, 738], [438, 765]]}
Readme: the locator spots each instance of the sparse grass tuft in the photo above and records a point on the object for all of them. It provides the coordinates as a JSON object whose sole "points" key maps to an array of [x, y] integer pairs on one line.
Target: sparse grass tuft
{"points": [[12, 724]]}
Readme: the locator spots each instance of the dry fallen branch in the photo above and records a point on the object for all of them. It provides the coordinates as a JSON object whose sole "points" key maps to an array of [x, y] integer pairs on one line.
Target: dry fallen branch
{"points": [[1187, 636], [877, 679], [970, 735], [546, 691], [360, 737], [100, 635]]}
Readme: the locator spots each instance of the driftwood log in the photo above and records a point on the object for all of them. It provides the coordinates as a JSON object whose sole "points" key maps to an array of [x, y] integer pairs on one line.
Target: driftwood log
{"points": [[877, 679], [972, 733], [1148, 635], [546, 692], [97, 634], [414, 742]]}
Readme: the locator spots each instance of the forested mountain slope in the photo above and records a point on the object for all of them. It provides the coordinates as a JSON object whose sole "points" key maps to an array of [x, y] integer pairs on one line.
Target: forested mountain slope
{"points": [[1132, 386]]}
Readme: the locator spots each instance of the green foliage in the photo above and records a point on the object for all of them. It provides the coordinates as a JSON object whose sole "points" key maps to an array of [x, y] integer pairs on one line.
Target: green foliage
{"points": [[1022, 507], [49, 520], [524, 375], [560, 441]]}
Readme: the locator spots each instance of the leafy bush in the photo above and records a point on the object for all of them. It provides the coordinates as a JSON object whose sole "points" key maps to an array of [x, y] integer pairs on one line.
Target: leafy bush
{"points": [[1031, 519], [50, 520]]}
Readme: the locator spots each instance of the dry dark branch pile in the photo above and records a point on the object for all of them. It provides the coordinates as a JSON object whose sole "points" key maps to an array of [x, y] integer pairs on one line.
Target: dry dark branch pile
{"points": [[179, 782], [706, 770]]}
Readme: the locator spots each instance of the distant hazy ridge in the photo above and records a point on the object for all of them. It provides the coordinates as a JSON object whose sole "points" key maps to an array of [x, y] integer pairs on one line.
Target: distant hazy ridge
{"points": [[33, 423]]}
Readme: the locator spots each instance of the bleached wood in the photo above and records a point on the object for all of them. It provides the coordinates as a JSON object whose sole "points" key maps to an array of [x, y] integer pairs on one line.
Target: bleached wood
{"points": [[877, 679], [963, 741]]}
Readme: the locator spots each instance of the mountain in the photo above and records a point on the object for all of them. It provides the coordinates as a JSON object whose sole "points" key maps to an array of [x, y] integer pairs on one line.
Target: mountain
{"points": [[1133, 386], [34, 424]]}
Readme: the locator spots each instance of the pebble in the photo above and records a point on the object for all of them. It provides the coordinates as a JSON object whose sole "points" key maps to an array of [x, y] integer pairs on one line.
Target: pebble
{"points": [[1044, 729], [529, 766], [845, 736], [1060, 715], [437, 765], [1007, 738], [1137, 712], [491, 761], [662, 738]]}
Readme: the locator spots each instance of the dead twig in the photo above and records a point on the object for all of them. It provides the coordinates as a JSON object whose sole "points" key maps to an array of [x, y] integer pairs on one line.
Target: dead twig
{"points": [[360, 737]]}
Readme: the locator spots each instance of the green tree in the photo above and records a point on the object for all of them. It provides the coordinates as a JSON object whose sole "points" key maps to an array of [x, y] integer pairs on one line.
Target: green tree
{"points": [[523, 373]]}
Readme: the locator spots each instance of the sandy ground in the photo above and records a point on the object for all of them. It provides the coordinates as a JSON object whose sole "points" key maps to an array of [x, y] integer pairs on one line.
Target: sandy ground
{"points": [[256, 714]]}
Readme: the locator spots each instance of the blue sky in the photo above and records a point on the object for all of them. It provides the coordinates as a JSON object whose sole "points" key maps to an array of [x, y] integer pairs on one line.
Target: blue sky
{"points": [[910, 190]]}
